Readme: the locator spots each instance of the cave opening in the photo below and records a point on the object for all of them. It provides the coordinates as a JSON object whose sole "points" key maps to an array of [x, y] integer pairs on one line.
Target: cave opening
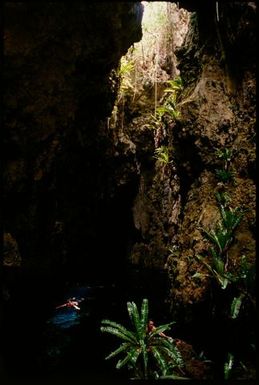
{"points": [[101, 179]]}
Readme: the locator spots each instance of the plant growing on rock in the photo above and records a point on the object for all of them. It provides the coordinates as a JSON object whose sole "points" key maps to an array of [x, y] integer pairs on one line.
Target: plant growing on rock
{"points": [[162, 154], [169, 107], [221, 238], [148, 353], [242, 280], [225, 174]]}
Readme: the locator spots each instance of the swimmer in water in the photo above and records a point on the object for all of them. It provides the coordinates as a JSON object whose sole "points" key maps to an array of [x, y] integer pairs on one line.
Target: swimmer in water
{"points": [[71, 303]]}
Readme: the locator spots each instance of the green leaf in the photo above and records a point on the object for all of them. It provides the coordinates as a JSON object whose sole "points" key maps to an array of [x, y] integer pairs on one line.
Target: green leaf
{"points": [[173, 377], [160, 329], [117, 333], [133, 314], [122, 348], [131, 358], [160, 360], [199, 275], [236, 305], [219, 266], [144, 318], [209, 236], [228, 366], [171, 350], [120, 328], [145, 359]]}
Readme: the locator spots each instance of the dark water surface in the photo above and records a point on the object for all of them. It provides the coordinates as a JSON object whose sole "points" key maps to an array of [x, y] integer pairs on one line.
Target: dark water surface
{"points": [[66, 346], [42, 341]]}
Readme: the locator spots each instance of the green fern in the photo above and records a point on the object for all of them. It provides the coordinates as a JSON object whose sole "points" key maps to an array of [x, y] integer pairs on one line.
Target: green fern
{"points": [[139, 344]]}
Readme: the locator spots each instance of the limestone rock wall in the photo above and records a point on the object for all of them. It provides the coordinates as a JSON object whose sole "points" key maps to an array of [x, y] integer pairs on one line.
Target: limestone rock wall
{"points": [[218, 111]]}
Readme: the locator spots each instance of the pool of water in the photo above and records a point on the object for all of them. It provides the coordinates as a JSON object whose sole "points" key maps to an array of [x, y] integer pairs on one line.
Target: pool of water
{"points": [[43, 340]]}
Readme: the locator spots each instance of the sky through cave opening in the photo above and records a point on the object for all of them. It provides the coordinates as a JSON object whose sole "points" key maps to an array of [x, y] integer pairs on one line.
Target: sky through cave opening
{"points": [[151, 62]]}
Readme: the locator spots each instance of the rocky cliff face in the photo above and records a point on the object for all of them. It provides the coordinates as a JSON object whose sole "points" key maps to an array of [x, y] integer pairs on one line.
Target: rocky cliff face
{"points": [[218, 111], [217, 106], [59, 87], [78, 188]]}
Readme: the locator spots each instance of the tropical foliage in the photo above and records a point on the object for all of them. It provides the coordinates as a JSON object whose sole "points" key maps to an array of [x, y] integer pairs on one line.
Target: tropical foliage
{"points": [[225, 174], [148, 353], [162, 154], [169, 106], [221, 238]]}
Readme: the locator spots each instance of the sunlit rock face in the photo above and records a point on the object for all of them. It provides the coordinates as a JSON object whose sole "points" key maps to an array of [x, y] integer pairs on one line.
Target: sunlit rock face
{"points": [[218, 111], [58, 88]]}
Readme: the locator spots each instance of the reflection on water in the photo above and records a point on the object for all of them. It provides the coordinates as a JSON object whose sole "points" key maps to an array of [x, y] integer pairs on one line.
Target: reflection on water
{"points": [[65, 318]]}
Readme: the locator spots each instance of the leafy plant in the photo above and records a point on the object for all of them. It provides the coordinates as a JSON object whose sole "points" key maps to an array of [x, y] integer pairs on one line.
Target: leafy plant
{"points": [[140, 345], [222, 236], [221, 239], [236, 305], [223, 198], [170, 105], [169, 109], [224, 175], [175, 85], [228, 366], [125, 67], [225, 154], [162, 154]]}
